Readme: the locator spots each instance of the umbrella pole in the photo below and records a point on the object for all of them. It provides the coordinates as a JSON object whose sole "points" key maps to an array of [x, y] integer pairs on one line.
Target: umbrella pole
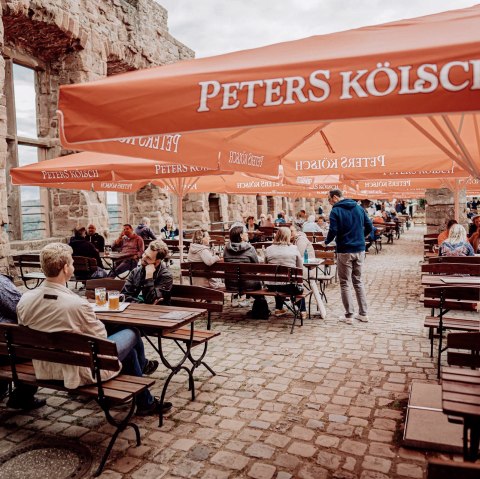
{"points": [[180, 228], [456, 199]]}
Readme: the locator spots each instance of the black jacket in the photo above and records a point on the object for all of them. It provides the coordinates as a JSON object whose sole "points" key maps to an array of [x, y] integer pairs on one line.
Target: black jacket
{"points": [[240, 253], [82, 247], [97, 240], [151, 289]]}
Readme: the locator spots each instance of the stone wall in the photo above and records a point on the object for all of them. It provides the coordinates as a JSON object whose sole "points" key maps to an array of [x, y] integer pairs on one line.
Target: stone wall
{"points": [[441, 208], [76, 41]]}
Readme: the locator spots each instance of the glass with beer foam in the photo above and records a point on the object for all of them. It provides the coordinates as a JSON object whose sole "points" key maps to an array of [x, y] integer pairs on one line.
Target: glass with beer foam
{"points": [[114, 300]]}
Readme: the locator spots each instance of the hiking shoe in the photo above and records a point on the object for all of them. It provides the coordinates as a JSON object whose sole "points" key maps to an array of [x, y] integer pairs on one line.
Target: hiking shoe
{"points": [[280, 312], [303, 314], [150, 367], [345, 319], [362, 318], [27, 405], [154, 408], [244, 303]]}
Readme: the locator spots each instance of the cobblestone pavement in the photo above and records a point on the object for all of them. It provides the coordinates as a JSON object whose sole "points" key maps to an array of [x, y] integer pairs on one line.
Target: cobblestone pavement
{"points": [[325, 402]]}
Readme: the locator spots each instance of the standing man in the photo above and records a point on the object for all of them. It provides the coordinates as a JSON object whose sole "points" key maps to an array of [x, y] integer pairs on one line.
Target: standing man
{"points": [[97, 240], [349, 224]]}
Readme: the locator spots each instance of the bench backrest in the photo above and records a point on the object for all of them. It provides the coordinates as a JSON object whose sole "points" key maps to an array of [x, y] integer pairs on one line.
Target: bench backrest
{"points": [[459, 293], [109, 284], [189, 296], [322, 247], [244, 272], [452, 268], [59, 347], [329, 257], [455, 259], [84, 266], [467, 349], [27, 261]]}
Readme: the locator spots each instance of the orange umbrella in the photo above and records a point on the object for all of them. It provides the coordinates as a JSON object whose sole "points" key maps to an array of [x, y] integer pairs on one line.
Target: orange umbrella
{"points": [[424, 66], [84, 168]]}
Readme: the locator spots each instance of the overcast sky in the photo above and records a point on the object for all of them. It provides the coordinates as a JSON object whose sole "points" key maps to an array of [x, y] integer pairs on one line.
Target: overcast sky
{"points": [[212, 27]]}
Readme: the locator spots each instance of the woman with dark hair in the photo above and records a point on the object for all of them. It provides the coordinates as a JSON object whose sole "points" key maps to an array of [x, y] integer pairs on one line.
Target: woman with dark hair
{"points": [[238, 250], [200, 251], [252, 229]]}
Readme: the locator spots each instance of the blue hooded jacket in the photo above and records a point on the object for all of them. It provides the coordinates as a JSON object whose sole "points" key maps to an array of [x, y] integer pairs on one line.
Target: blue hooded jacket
{"points": [[349, 224]]}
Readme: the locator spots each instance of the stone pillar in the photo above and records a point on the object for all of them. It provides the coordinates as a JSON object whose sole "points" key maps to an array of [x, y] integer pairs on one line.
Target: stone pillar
{"points": [[441, 208], [153, 203], [195, 210]]}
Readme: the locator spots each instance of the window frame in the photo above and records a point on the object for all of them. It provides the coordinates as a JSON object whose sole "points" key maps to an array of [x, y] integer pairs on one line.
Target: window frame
{"points": [[43, 146]]}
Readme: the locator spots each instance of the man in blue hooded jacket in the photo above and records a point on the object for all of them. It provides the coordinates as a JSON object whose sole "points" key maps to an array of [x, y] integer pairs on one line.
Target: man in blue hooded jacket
{"points": [[349, 224]]}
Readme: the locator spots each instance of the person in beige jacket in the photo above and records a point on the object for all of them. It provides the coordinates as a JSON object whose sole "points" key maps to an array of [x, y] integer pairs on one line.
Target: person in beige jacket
{"points": [[53, 307], [200, 252]]}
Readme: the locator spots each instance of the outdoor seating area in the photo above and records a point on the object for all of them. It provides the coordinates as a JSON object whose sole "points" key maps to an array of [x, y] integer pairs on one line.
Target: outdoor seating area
{"points": [[249, 249]]}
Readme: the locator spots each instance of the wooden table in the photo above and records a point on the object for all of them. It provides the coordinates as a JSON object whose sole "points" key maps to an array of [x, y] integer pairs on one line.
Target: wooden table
{"points": [[157, 320]]}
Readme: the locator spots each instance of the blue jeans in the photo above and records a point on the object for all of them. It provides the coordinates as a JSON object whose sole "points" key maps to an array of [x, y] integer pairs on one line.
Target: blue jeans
{"points": [[131, 354]]}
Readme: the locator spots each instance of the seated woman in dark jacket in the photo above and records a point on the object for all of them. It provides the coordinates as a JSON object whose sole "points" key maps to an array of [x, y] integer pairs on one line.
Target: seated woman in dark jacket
{"points": [[150, 282], [238, 250]]}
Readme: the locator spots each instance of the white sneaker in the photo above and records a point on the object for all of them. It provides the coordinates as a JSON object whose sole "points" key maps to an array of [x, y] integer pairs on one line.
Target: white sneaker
{"points": [[360, 317], [234, 302], [345, 319], [303, 315], [244, 303], [280, 312]]}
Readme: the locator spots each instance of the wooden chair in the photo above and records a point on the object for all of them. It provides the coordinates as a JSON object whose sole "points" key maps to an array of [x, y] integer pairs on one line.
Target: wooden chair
{"points": [[84, 268], [25, 263]]}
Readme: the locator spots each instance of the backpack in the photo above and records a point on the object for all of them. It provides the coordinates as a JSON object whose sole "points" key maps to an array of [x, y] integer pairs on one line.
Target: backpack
{"points": [[259, 309]]}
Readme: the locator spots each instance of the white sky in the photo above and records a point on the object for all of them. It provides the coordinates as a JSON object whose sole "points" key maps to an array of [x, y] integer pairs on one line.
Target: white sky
{"points": [[212, 27]]}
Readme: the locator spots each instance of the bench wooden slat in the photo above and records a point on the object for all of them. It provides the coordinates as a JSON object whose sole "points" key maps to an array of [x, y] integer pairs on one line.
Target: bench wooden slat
{"points": [[464, 388], [460, 397], [453, 323], [453, 407], [199, 337], [438, 469]]}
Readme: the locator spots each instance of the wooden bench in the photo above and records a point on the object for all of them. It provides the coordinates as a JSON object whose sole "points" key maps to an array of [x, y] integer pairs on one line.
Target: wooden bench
{"points": [[19, 342], [461, 388], [446, 298], [259, 272], [25, 263], [455, 259]]}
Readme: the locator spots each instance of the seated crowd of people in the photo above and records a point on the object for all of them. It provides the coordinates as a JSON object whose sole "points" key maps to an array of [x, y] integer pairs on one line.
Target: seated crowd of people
{"points": [[455, 241]]}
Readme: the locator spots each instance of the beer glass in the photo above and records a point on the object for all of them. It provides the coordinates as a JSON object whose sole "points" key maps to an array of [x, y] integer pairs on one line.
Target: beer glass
{"points": [[100, 296], [114, 300]]}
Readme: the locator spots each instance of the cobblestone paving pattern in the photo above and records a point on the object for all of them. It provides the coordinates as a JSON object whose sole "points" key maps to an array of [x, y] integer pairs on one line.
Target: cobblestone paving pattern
{"points": [[325, 402]]}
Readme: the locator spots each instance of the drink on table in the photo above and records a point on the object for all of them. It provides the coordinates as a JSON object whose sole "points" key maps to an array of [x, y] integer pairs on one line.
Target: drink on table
{"points": [[114, 300], [100, 296]]}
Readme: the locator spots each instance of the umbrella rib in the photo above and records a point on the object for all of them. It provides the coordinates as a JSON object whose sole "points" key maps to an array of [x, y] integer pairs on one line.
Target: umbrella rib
{"points": [[304, 139], [477, 132], [466, 154], [444, 134], [451, 155]]}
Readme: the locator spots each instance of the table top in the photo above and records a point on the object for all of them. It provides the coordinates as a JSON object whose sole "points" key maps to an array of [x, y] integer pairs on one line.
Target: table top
{"points": [[154, 317]]}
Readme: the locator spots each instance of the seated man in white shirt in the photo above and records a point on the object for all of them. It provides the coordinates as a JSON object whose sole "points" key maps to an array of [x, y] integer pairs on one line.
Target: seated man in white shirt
{"points": [[53, 307]]}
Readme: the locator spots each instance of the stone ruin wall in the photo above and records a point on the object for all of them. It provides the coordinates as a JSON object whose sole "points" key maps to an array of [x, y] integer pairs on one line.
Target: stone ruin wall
{"points": [[441, 207], [68, 42]]}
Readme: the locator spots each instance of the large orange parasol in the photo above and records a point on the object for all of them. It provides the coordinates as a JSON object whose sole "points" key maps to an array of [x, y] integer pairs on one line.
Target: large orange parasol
{"points": [[260, 106]]}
